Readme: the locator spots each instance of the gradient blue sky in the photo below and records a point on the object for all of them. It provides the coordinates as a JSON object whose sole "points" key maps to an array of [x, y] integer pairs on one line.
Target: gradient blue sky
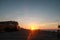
{"points": [[42, 12]]}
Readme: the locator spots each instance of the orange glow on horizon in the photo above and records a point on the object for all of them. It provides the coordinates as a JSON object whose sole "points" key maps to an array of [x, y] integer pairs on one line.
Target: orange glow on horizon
{"points": [[33, 26]]}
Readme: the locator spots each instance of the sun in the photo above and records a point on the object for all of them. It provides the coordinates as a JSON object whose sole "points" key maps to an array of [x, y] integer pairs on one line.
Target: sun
{"points": [[33, 27]]}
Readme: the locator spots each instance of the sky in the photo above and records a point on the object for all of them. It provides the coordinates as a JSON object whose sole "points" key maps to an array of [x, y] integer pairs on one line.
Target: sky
{"points": [[45, 14]]}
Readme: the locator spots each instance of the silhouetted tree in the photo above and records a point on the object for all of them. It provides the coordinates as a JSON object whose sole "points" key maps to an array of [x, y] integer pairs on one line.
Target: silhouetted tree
{"points": [[9, 26]]}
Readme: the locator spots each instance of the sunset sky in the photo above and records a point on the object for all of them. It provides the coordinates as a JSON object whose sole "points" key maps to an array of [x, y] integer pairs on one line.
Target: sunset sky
{"points": [[44, 14]]}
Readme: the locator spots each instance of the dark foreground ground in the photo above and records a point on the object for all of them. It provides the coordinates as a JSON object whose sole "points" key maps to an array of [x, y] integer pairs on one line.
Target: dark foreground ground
{"points": [[24, 35], [9, 30]]}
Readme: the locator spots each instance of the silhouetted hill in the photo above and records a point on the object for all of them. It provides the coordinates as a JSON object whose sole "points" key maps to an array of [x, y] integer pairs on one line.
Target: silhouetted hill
{"points": [[12, 32], [23, 34]]}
